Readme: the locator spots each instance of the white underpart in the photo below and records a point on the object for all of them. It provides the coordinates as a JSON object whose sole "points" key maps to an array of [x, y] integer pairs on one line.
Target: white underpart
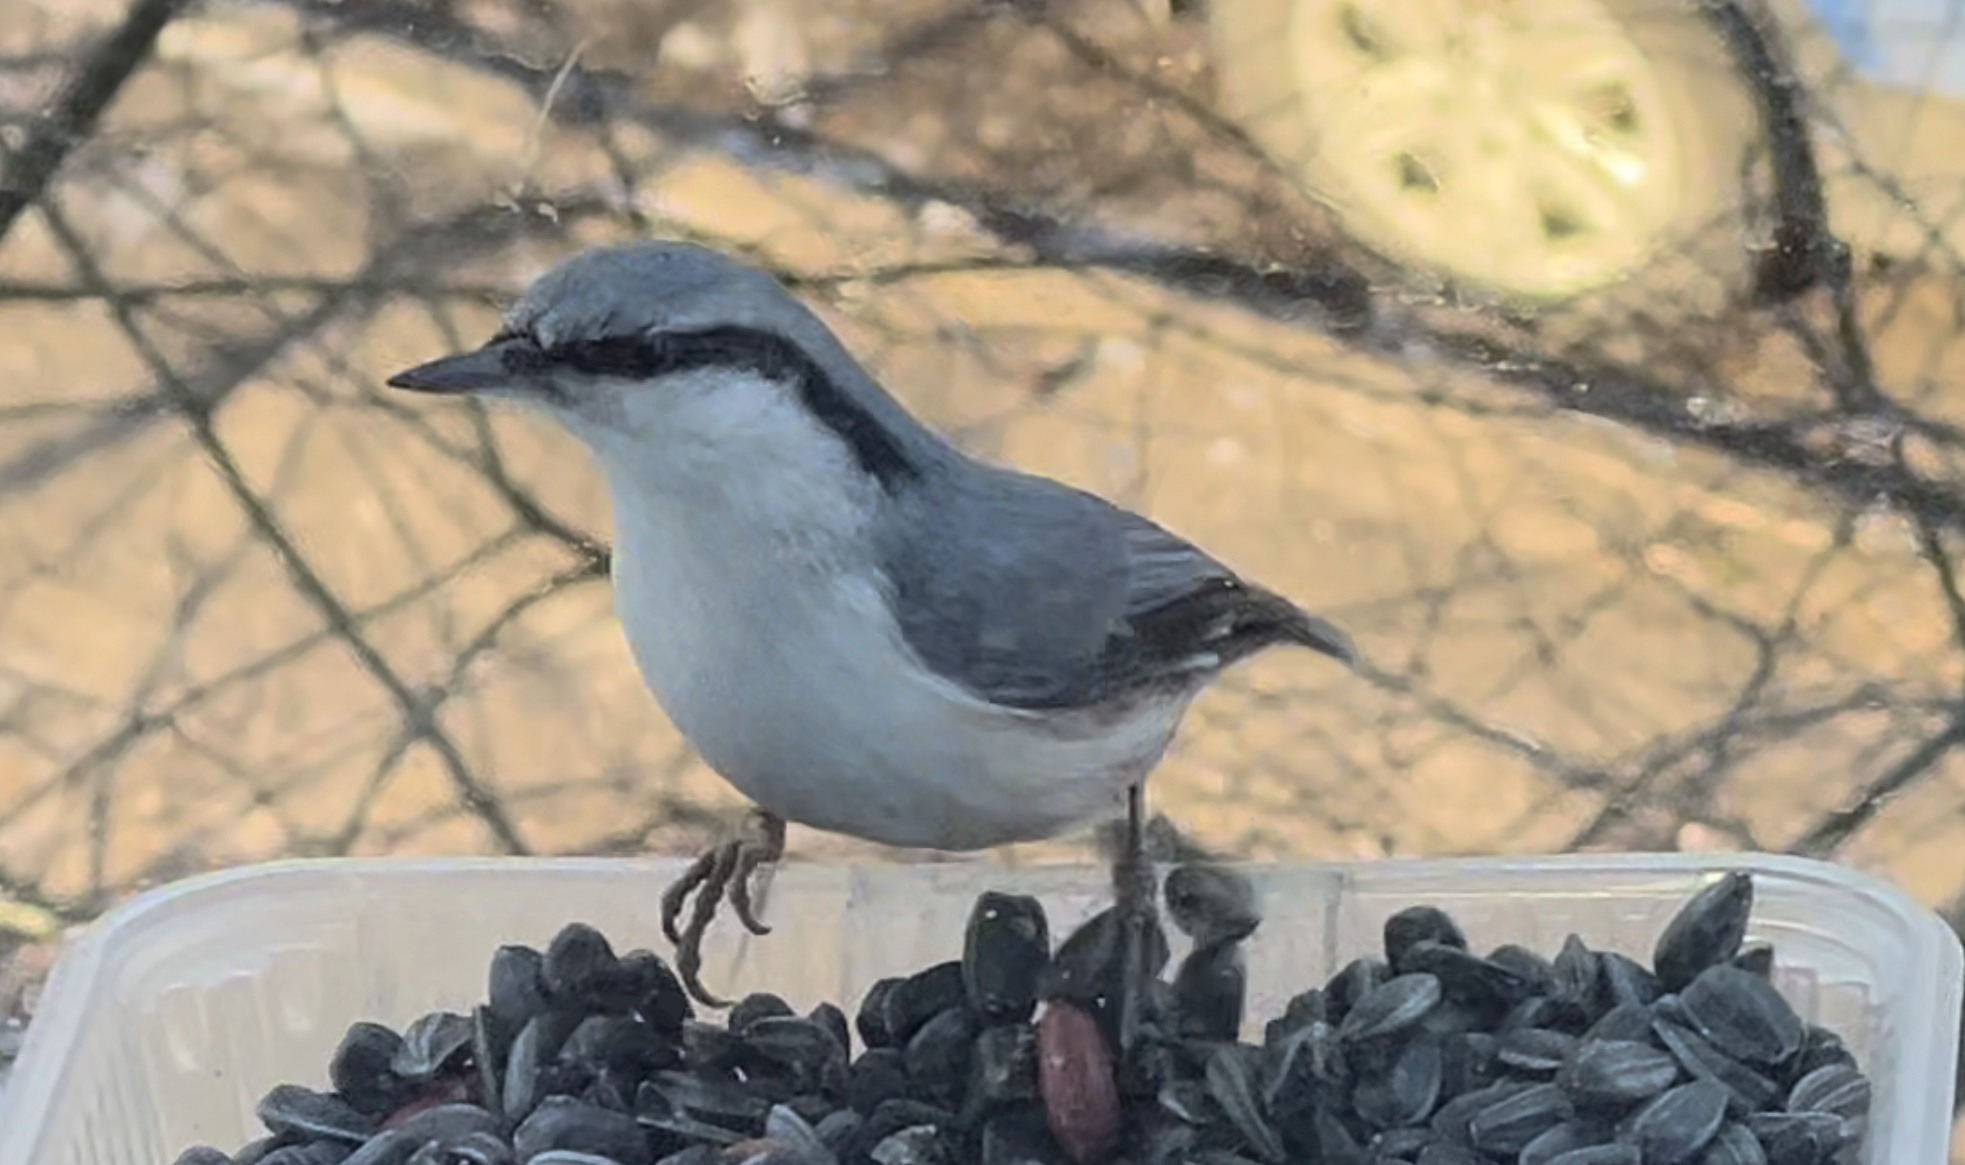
{"points": [[744, 580]]}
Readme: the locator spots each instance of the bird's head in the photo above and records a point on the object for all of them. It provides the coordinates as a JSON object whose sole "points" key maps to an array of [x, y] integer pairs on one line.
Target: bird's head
{"points": [[676, 353]]}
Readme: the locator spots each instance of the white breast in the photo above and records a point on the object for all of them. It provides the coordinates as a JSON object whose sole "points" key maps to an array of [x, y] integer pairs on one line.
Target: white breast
{"points": [[759, 624]]}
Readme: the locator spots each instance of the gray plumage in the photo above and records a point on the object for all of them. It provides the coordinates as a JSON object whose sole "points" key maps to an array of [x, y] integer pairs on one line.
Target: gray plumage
{"points": [[1086, 603], [1065, 601], [765, 485]]}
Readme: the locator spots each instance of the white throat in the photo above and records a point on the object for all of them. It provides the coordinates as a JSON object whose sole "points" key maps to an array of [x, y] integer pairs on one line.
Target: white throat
{"points": [[746, 581], [733, 456], [739, 520]]}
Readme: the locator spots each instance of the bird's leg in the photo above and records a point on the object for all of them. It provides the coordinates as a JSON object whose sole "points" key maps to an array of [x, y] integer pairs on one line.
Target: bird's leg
{"points": [[1135, 894], [724, 872]]}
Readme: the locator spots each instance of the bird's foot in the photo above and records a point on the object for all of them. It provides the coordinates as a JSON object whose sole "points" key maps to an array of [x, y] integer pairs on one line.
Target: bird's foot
{"points": [[1160, 840], [724, 872], [1135, 892]]}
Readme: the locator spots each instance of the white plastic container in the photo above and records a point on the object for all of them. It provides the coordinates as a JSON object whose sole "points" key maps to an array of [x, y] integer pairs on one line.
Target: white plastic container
{"points": [[165, 1022]]}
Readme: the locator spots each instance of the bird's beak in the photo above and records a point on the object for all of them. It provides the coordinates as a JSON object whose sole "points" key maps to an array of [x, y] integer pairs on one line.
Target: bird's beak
{"points": [[465, 372]]}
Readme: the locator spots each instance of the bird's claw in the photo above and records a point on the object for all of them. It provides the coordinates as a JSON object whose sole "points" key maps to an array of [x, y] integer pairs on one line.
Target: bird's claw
{"points": [[724, 872]]}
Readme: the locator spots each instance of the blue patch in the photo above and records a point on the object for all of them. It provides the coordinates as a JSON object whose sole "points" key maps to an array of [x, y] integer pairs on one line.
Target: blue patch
{"points": [[1847, 23]]}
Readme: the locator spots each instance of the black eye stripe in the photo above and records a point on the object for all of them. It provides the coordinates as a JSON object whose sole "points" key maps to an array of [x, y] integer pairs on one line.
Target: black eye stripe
{"points": [[755, 350], [522, 357]]}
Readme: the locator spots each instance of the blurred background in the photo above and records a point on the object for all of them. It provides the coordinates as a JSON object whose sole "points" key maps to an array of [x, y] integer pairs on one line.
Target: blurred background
{"points": [[1597, 362]]}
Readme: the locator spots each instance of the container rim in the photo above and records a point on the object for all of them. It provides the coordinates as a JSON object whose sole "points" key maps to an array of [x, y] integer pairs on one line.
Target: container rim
{"points": [[77, 977]]}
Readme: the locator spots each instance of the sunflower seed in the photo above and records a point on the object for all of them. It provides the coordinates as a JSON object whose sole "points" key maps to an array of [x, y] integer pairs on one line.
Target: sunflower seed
{"points": [[1485, 988], [360, 1070], [1508, 1125], [916, 1145], [1358, 978], [1537, 974], [1756, 959], [1797, 1138], [1535, 1052], [561, 1122], [1391, 1008], [1623, 981], [1209, 992], [938, 1058], [1004, 951], [1749, 1089], [756, 1006], [448, 1123], [1676, 1126], [576, 962], [1561, 1139], [1833, 1088], [1405, 1092], [1610, 1154], [1627, 1021], [1705, 932], [1743, 1015], [1211, 903], [1453, 1121], [1076, 1083], [1608, 1073], [430, 1043], [1735, 1144], [1231, 1075], [301, 1112], [1417, 924]]}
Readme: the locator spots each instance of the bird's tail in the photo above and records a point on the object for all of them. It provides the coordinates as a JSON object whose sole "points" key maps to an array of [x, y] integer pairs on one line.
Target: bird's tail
{"points": [[1269, 619]]}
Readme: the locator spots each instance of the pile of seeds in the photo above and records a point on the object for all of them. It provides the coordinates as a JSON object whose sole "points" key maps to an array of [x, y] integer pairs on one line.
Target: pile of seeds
{"points": [[1430, 1055]]}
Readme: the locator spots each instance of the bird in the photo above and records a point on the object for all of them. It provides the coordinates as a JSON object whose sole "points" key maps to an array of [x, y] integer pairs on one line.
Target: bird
{"points": [[861, 627]]}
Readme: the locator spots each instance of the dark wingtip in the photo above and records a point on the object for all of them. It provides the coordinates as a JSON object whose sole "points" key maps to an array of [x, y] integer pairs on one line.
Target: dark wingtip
{"points": [[1321, 635]]}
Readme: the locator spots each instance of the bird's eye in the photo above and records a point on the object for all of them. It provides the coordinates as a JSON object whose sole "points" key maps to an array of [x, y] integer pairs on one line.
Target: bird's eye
{"points": [[519, 353], [524, 358]]}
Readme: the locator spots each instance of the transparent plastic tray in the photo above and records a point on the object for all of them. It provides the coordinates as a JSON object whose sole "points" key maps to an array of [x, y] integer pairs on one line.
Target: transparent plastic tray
{"points": [[168, 1019]]}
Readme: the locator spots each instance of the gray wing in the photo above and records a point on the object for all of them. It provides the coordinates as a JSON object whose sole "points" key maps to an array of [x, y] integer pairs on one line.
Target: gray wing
{"points": [[1036, 596]]}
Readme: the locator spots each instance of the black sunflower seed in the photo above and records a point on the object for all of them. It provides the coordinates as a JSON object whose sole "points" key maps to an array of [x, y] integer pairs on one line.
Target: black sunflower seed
{"points": [[1833, 1088], [1358, 978], [1735, 1144], [1004, 951], [1209, 992], [1394, 1006], [1561, 1139], [1536, 1052], [1404, 1092], [1743, 1015], [1211, 903], [360, 1069], [1417, 924], [577, 961], [753, 1007], [1705, 932], [1506, 1126], [430, 1043], [561, 1122], [1610, 1073], [1675, 1127], [1749, 1090], [300, 1112]]}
